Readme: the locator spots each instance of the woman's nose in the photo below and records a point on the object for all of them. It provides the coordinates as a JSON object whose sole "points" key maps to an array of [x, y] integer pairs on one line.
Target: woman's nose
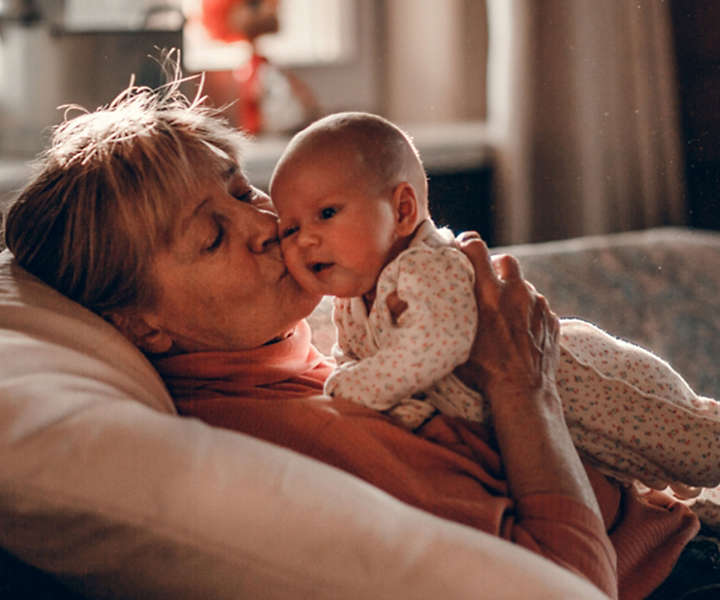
{"points": [[265, 232]]}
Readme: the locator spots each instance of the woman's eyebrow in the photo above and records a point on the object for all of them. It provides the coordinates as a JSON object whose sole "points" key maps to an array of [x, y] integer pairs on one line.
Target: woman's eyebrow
{"points": [[187, 221], [183, 236], [231, 170]]}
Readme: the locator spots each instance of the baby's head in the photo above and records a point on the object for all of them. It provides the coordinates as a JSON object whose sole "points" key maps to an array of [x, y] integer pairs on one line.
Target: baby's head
{"points": [[350, 190]]}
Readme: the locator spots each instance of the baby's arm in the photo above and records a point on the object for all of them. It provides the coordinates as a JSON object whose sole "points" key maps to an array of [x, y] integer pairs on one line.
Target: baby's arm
{"points": [[429, 339]]}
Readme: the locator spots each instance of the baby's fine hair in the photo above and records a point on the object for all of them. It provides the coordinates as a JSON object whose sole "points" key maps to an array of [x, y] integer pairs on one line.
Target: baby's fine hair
{"points": [[107, 191], [383, 151]]}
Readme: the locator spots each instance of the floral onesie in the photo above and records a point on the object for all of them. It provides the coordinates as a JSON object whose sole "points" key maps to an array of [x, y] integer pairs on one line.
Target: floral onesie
{"points": [[628, 411]]}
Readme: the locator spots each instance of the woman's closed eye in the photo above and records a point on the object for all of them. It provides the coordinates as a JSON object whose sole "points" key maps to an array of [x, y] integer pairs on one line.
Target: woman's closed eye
{"points": [[217, 240], [245, 196]]}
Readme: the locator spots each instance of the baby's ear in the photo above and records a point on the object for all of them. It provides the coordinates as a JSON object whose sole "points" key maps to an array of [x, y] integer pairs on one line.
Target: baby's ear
{"points": [[405, 206], [140, 330]]}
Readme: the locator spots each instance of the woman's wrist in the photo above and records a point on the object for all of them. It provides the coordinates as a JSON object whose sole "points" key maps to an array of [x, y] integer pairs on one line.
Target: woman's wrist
{"points": [[535, 445]]}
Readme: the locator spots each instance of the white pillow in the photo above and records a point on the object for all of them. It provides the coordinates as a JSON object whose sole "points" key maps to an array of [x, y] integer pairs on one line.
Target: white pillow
{"points": [[104, 486]]}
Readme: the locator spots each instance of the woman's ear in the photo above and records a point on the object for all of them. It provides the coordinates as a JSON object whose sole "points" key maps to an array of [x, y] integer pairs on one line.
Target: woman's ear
{"points": [[405, 206], [141, 330]]}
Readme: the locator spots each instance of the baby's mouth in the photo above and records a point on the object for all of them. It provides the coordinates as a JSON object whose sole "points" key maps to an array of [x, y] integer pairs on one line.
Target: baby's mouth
{"points": [[318, 267]]}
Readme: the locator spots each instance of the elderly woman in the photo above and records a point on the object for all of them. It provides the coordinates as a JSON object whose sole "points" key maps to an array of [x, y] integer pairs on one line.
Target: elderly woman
{"points": [[142, 213]]}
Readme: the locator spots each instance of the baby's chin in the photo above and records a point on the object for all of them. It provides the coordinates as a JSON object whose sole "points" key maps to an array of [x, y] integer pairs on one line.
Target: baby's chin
{"points": [[314, 286], [312, 283], [346, 292]]}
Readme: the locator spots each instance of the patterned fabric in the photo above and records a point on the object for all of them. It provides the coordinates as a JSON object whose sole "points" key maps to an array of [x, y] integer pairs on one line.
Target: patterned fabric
{"points": [[633, 415]]}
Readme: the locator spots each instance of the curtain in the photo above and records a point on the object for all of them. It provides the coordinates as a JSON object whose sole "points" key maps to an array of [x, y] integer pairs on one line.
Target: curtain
{"points": [[435, 57], [583, 109]]}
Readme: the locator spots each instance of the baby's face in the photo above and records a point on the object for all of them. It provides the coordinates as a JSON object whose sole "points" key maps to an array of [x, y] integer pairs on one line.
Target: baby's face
{"points": [[336, 236]]}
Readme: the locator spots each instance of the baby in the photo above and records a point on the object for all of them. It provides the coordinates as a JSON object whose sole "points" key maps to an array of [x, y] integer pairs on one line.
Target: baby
{"points": [[351, 194]]}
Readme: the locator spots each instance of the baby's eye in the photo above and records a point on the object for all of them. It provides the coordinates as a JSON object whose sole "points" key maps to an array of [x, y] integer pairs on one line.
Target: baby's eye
{"points": [[288, 231], [328, 213]]}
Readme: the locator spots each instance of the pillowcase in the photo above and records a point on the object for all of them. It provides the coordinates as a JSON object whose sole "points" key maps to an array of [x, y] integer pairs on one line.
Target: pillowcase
{"points": [[104, 486]]}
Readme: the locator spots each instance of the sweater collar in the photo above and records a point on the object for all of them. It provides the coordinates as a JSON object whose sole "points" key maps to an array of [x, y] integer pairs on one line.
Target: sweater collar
{"points": [[271, 363]]}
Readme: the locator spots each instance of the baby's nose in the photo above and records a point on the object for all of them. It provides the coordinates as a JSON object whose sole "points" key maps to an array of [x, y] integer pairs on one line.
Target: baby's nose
{"points": [[307, 237]]}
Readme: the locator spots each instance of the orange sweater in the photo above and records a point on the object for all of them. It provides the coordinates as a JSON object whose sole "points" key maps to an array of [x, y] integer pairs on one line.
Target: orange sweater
{"points": [[448, 468]]}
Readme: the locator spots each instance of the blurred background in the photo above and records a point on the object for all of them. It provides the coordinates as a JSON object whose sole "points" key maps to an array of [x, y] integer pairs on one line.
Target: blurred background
{"points": [[536, 119]]}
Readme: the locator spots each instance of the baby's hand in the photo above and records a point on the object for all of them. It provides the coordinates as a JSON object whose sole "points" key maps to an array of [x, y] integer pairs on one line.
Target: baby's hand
{"points": [[396, 306]]}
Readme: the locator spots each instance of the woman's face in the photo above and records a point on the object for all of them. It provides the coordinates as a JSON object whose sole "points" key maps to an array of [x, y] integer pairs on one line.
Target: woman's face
{"points": [[222, 284]]}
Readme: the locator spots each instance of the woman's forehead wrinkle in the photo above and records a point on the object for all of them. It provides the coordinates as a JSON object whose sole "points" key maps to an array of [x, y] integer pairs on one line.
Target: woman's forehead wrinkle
{"points": [[185, 228], [187, 222]]}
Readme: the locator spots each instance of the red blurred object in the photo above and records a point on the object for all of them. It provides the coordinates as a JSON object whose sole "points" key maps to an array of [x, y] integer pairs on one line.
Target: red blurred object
{"points": [[250, 91], [216, 19], [269, 98]]}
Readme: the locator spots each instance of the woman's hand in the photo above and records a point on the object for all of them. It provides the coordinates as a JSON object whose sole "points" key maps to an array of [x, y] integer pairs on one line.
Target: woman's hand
{"points": [[512, 363], [516, 341]]}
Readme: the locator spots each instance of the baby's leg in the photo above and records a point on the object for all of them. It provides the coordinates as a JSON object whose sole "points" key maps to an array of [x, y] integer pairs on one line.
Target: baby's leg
{"points": [[632, 414], [411, 413], [448, 396], [453, 398]]}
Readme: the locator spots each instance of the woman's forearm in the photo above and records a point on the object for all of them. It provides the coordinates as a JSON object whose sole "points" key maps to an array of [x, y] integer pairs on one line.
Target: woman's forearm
{"points": [[513, 362], [535, 445]]}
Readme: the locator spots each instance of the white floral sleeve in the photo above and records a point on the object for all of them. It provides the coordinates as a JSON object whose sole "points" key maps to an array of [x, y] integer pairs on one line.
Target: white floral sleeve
{"points": [[430, 338]]}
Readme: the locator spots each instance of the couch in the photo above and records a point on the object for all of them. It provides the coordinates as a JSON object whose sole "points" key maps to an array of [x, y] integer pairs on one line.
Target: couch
{"points": [[106, 493]]}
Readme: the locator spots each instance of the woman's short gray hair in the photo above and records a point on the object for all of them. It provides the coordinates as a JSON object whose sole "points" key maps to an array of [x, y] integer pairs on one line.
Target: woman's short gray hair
{"points": [[108, 189]]}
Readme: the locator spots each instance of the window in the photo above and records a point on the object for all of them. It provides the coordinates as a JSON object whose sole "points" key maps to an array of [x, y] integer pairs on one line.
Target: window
{"points": [[335, 46], [110, 15], [312, 32]]}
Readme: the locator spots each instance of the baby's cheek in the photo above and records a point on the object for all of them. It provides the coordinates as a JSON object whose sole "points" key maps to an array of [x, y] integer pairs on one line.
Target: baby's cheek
{"points": [[287, 249], [299, 272], [291, 258]]}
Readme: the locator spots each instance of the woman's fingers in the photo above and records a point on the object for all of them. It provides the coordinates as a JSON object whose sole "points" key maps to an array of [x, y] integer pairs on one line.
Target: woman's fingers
{"points": [[494, 275], [487, 284], [500, 276], [507, 267], [467, 236]]}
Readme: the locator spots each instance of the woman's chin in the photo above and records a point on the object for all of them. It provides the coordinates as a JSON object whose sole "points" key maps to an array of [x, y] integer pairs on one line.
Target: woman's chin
{"points": [[314, 300], [308, 302]]}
